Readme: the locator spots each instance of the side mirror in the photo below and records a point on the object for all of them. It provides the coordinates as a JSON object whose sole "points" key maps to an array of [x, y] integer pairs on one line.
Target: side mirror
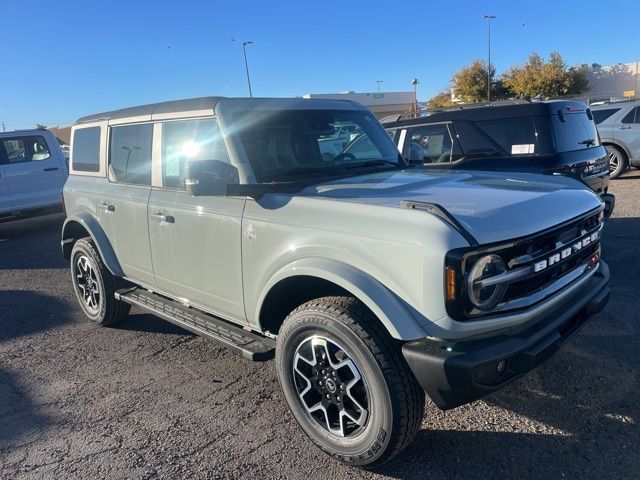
{"points": [[210, 177]]}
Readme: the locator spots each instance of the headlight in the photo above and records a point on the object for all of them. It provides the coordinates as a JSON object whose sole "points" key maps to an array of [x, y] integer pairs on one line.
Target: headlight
{"points": [[486, 295]]}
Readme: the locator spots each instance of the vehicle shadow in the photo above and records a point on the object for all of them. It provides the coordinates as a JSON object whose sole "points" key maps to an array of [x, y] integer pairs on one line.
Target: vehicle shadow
{"points": [[35, 243], [629, 175], [23, 314], [148, 323]]}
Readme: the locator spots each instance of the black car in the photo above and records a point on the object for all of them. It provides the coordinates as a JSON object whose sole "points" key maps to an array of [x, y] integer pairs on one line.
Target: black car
{"points": [[557, 137]]}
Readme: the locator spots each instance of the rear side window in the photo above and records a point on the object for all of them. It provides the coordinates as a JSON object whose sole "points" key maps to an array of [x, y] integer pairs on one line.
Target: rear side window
{"points": [[25, 149], [86, 149], [189, 140], [600, 116], [633, 116], [431, 144], [520, 135], [130, 154], [574, 131]]}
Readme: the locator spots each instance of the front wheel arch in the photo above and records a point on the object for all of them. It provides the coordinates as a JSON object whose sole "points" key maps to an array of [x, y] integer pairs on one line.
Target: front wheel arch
{"points": [[340, 279]]}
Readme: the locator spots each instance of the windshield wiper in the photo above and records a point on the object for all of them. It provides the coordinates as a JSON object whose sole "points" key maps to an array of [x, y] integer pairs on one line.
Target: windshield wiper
{"points": [[372, 163]]}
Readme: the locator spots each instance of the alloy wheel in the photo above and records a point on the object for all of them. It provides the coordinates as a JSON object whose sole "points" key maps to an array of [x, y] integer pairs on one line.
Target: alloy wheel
{"points": [[614, 162], [87, 282], [330, 386]]}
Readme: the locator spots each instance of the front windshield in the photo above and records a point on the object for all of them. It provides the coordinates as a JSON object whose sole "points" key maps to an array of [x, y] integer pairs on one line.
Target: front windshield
{"points": [[289, 145]]}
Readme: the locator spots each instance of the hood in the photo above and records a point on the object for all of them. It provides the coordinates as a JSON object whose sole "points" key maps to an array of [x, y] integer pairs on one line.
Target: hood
{"points": [[491, 206]]}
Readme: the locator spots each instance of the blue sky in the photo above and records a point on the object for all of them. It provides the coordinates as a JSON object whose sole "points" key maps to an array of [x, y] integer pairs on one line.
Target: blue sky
{"points": [[65, 59]]}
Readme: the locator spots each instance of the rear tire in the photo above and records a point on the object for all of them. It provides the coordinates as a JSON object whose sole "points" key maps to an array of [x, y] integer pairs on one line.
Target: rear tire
{"points": [[95, 285], [618, 162], [346, 381]]}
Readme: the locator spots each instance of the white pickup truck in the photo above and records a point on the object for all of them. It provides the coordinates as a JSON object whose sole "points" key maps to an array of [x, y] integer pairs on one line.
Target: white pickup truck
{"points": [[32, 173]]}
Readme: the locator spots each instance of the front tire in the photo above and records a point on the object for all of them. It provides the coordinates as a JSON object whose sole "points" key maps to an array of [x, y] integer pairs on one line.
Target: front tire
{"points": [[95, 285], [346, 381], [617, 161]]}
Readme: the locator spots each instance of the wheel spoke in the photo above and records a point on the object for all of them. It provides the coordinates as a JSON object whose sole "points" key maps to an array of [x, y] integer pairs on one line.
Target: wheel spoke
{"points": [[330, 386], [87, 283]]}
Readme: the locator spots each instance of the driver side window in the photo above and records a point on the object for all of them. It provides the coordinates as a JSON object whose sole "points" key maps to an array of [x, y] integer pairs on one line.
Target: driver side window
{"points": [[188, 140]]}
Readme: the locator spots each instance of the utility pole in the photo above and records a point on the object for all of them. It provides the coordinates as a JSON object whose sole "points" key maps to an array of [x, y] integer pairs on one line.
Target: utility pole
{"points": [[3, 128], [489, 18]]}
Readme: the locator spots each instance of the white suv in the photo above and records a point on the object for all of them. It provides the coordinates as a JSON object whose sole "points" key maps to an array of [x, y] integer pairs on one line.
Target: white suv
{"points": [[32, 173]]}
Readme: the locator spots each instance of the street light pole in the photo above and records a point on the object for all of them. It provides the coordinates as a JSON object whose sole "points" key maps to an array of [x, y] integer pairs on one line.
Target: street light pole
{"points": [[489, 17], [415, 83], [246, 65]]}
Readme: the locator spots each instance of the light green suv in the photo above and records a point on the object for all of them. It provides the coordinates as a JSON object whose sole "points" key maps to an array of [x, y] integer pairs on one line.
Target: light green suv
{"points": [[370, 281]]}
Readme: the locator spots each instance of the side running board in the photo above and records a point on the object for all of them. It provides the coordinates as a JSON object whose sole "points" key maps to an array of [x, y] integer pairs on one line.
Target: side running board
{"points": [[250, 345]]}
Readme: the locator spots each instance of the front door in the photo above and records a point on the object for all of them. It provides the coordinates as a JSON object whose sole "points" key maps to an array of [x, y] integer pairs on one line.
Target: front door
{"points": [[196, 241], [122, 208], [34, 175]]}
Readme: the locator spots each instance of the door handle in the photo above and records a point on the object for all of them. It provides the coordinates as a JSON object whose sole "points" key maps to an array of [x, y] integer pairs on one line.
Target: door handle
{"points": [[107, 208], [51, 169], [162, 218], [626, 127]]}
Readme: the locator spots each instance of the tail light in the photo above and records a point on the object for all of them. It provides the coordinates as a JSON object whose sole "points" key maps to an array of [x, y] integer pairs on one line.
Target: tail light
{"points": [[64, 207]]}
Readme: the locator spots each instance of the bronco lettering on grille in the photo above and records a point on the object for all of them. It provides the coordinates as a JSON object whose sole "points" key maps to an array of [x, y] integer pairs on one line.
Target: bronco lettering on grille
{"points": [[566, 252]]}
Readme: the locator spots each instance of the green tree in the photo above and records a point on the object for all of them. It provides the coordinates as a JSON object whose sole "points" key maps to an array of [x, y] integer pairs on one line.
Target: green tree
{"points": [[537, 78], [439, 101], [470, 83]]}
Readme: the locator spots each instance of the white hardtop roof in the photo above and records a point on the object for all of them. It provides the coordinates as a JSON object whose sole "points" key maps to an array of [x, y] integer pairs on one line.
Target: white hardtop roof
{"points": [[203, 106]]}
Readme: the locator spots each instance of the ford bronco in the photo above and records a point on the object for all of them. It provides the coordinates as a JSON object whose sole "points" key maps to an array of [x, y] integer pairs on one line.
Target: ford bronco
{"points": [[371, 282]]}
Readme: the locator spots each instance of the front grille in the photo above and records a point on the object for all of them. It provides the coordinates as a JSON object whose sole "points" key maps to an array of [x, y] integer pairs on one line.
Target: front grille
{"points": [[530, 283], [540, 247]]}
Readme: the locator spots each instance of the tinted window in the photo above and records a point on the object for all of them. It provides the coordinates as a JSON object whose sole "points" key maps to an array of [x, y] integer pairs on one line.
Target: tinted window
{"points": [[281, 143], [188, 140], [633, 116], [600, 116], [86, 149], [25, 149], [474, 142], [574, 131], [130, 153], [520, 135], [431, 144]]}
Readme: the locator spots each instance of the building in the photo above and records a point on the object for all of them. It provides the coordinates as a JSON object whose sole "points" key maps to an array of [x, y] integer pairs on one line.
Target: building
{"points": [[613, 82], [63, 134], [382, 104]]}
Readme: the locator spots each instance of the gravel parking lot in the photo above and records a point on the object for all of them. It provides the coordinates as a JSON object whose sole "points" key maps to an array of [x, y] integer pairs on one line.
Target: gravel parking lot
{"points": [[149, 400]]}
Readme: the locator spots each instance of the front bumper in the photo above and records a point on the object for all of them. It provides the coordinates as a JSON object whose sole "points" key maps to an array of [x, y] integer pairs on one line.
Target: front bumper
{"points": [[453, 374]]}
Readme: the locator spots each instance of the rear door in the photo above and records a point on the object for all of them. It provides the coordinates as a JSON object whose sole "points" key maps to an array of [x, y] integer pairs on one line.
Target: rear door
{"points": [[122, 207], [627, 131], [33, 174], [5, 198]]}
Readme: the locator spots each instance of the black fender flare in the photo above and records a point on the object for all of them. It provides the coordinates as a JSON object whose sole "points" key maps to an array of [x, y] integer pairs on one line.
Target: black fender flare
{"points": [[92, 226]]}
